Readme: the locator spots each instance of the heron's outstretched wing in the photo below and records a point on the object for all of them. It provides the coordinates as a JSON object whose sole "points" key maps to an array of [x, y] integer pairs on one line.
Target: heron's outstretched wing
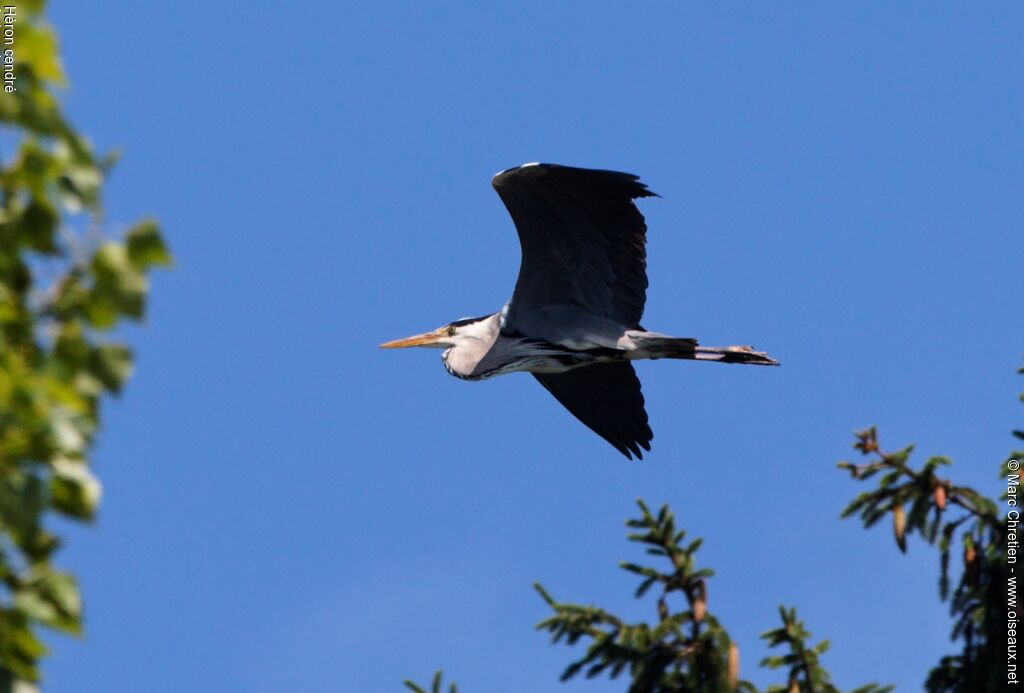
{"points": [[606, 397], [583, 244]]}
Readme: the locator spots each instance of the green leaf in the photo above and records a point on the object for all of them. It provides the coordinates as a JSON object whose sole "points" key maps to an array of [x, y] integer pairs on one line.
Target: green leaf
{"points": [[111, 364], [146, 247], [39, 221], [37, 49], [120, 288], [53, 599], [74, 490]]}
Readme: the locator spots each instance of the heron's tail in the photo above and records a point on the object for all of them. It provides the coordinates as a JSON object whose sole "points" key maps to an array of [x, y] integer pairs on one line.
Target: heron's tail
{"points": [[655, 346]]}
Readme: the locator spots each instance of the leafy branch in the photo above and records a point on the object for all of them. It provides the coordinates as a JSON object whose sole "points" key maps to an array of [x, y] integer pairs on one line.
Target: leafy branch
{"points": [[806, 675], [685, 648], [940, 512], [62, 287], [435, 685]]}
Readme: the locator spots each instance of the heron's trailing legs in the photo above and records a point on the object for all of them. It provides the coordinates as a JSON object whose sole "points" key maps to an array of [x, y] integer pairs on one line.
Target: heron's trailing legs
{"points": [[735, 354], [654, 346]]}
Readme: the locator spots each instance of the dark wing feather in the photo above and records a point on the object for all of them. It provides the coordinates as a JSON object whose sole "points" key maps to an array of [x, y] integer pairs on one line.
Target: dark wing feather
{"points": [[606, 397], [582, 240]]}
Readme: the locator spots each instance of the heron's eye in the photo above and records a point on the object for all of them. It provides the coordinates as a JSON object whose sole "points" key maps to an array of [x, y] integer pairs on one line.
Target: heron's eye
{"points": [[450, 331]]}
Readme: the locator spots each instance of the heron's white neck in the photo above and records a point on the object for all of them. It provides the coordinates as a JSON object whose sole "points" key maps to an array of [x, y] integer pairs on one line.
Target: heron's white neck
{"points": [[472, 342]]}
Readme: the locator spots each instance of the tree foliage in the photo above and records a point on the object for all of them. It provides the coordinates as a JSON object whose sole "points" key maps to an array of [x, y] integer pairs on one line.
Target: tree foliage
{"points": [[63, 287], [435, 685], [942, 513], [805, 672], [685, 648]]}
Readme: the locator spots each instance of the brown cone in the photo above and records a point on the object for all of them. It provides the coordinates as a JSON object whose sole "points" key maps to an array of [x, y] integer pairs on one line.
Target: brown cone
{"points": [[899, 527], [700, 603], [734, 665]]}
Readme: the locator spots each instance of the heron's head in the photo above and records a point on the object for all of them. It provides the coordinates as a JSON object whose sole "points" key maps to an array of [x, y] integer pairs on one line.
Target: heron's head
{"points": [[446, 336]]}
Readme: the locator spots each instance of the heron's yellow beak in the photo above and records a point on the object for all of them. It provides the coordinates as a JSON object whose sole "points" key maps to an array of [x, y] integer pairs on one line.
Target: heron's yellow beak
{"points": [[428, 339]]}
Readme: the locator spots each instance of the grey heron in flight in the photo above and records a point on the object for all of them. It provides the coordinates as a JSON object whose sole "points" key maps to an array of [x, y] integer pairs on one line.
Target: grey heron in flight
{"points": [[573, 321]]}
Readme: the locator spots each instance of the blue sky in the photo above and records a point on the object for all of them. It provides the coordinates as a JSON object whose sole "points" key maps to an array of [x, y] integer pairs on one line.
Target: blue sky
{"points": [[289, 508]]}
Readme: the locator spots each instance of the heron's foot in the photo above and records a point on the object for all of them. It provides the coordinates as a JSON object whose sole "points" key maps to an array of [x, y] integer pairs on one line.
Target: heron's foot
{"points": [[747, 354]]}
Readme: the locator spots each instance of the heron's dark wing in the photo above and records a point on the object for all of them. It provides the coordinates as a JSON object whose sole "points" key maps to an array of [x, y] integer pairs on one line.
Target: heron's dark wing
{"points": [[582, 240], [606, 397]]}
